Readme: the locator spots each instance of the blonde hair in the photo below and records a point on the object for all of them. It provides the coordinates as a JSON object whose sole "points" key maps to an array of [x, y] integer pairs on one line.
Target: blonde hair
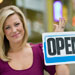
{"points": [[4, 14]]}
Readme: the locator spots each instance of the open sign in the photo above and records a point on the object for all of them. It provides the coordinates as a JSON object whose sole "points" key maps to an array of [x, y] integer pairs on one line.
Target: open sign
{"points": [[59, 48]]}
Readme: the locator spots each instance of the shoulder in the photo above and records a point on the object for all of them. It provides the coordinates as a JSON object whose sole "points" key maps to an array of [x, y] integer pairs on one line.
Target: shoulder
{"points": [[2, 65], [38, 50], [39, 45], [1, 61]]}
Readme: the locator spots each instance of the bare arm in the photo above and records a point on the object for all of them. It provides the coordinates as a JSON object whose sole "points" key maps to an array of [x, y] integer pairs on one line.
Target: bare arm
{"points": [[61, 69]]}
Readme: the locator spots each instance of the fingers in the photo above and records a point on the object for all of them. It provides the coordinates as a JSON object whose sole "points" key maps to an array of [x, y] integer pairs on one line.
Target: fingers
{"points": [[56, 28], [55, 25], [62, 23], [61, 26]]}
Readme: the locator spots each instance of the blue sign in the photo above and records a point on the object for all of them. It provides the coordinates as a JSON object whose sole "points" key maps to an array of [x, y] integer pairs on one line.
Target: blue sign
{"points": [[59, 48]]}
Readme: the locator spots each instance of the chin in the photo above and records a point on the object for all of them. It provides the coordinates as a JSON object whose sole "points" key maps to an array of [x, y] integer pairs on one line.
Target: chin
{"points": [[17, 40]]}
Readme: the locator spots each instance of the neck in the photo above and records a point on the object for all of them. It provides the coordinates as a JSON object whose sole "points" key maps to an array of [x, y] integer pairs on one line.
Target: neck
{"points": [[14, 47]]}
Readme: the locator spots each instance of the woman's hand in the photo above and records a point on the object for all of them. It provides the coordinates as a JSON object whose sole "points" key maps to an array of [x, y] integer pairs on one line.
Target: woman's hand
{"points": [[61, 26], [61, 69]]}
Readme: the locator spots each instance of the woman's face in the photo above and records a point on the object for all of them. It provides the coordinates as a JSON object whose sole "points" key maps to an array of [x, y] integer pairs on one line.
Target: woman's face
{"points": [[13, 29]]}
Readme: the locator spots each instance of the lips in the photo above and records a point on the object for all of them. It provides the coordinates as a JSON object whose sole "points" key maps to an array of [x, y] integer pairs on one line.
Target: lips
{"points": [[15, 35]]}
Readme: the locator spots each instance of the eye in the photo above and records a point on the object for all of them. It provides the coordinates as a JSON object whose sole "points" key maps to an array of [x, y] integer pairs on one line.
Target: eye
{"points": [[17, 24], [8, 27]]}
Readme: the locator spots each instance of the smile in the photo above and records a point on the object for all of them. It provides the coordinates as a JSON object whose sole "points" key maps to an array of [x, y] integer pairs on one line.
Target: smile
{"points": [[15, 35]]}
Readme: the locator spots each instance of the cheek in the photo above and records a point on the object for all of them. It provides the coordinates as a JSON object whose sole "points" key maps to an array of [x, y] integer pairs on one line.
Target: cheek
{"points": [[23, 31], [7, 32], [21, 28]]}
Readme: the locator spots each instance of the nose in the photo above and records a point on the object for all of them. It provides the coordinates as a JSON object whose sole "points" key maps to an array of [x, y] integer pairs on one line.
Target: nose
{"points": [[14, 29]]}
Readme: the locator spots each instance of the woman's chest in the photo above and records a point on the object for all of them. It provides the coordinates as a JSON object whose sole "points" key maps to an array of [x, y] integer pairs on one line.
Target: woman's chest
{"points": [[21, 61], [17, 67]]}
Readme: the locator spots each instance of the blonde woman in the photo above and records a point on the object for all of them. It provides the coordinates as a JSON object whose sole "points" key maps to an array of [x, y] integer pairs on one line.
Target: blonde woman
{"points": [[17, 56]]}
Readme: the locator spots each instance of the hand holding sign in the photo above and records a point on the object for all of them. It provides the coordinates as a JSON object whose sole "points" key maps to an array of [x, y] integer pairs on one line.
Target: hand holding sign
{"points": [[61, 26], [61, 69], [51, 51]]}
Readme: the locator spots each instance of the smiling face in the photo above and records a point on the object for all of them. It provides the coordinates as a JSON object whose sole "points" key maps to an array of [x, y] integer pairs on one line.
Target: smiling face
{"points": [[13, 29]]}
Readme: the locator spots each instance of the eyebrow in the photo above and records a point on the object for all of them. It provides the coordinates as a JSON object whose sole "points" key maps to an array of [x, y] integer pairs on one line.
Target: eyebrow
{"points": [[14, 23], [6, 26]]}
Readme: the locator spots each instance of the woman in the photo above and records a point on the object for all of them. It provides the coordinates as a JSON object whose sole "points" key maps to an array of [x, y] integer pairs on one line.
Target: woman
{"points": [[17, 57]]}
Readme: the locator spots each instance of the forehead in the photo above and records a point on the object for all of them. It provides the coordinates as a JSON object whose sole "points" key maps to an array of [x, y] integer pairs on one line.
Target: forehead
{"points": [[12, 18]]}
